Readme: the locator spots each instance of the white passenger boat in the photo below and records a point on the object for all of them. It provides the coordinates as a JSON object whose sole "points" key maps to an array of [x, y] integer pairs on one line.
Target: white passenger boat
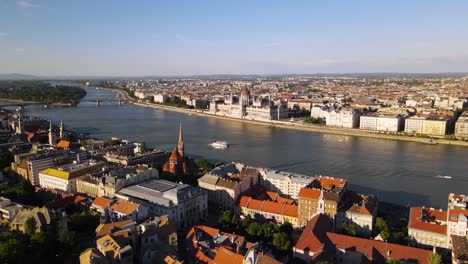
{"points": [[443, 177], [220, 145]]}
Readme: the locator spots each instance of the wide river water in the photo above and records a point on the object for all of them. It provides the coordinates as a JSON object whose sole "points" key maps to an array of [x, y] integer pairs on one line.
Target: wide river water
{"points": [[395, 171]]}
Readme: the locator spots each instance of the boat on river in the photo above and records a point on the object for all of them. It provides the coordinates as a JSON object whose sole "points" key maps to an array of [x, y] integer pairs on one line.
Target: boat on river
{"points": [[219, 145], [443, 177]]}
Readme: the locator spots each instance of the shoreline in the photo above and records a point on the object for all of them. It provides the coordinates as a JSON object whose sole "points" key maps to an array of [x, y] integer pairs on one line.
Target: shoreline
{"points": [[287, 125], [32, 102]]}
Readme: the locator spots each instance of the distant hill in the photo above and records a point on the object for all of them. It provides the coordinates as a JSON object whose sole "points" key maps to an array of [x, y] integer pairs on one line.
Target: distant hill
{"points": [[17, 76]]}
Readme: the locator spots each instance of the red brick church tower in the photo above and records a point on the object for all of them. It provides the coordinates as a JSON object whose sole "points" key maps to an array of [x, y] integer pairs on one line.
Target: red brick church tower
{"points": [[176, 163]]}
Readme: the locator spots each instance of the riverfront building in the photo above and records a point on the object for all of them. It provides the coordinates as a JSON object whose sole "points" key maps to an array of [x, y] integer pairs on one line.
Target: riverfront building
{"points": [[284, 183], [382, 122], [342, 118], [427, 227], [438, 228], [461, 126], [263, 109], [185, 205]]}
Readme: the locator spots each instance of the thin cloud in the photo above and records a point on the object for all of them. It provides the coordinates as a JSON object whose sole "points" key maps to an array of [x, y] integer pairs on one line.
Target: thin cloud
{"points": [[3, 34], [19, 50], [26, 4], [269, 45], [180, 37]]}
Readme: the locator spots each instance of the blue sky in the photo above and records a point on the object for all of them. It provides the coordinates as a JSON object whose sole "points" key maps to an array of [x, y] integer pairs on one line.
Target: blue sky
{"points": [[232, 37]]}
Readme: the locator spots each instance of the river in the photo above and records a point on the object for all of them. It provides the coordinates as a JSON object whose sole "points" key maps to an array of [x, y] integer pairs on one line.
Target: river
{"points": [[395, 171]]}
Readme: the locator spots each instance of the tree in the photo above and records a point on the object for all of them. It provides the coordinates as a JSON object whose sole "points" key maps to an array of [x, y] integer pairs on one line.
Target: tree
{"points": [[381, 225], [227, 221], [253, 231], [11, 248], [434, 258], [142, 147], [349, 230], [203, 166], [393, 261], [42, 245], [385, 235], [30, 226], [286, 228], [68, 241], [281, 242]]}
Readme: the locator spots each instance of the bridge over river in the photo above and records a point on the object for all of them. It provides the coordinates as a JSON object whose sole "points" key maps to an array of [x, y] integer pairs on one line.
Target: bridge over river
{"points": [[69, 103]]}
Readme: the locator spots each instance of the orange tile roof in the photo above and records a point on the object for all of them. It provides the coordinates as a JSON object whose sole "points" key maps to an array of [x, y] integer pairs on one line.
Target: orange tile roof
{"points": [[290, 210], [224, 255], [102, 202], [420, 218], [244, 201], [63, 144], [106, 229], [272, 195], [309, 193], [272, 207], [317, 239], [284, 200], [314, 233], [377, 250], [255, 204], [124, 207], [328, 182]]}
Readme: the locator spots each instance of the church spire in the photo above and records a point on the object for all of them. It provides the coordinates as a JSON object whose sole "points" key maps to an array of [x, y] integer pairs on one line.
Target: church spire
{"points": [[180, 145], [50, 133], [61, 129]]}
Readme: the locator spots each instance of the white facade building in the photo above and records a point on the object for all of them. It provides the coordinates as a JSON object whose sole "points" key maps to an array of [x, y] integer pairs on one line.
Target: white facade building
{"points": [[342, 118], [285, 183], [63, 178], [382, 123]]}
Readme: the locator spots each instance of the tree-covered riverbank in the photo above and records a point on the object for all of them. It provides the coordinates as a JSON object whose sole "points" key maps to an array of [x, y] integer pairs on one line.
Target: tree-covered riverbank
{"points": [[38, 91]]}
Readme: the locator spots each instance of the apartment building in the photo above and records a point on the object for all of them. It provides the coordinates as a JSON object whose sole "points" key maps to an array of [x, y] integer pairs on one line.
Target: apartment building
{"points": [[382, 122]]}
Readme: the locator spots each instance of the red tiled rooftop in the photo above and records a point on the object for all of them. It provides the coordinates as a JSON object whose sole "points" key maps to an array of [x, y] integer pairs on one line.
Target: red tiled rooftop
{"points": [[309, 193], [416, 222], [255, 204], [101, 202], [124, 207], [327, 183], [290, 210], [378, 250], [272, 207]]}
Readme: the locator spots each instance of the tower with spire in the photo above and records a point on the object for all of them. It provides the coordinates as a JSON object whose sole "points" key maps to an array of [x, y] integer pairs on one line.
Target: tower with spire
{"points": [[180, 144], [50, 133], [321, 202], [176, 163], [19, 129], [61, 129]]}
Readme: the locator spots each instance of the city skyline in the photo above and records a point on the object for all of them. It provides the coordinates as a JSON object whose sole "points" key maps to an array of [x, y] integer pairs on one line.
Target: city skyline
{"points": [[51, 38]]}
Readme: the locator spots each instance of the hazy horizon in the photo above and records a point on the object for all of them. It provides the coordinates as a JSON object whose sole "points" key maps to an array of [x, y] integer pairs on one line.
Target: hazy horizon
{"points": [[186, 38]]}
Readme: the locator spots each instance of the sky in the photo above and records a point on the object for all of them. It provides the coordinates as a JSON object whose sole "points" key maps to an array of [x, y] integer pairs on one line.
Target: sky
{"points": [[177, 37]]}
